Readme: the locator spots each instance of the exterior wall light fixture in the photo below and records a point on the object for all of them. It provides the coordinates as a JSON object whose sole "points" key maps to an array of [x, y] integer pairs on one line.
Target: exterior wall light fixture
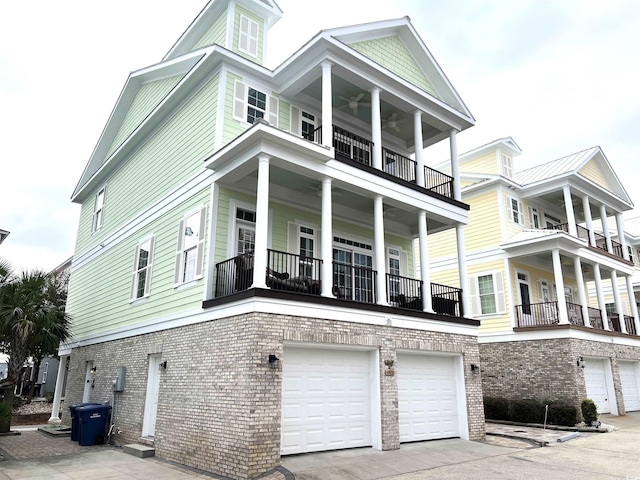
{"points": [[273, 361], [475, 368], [580, 362], [163, 365]]}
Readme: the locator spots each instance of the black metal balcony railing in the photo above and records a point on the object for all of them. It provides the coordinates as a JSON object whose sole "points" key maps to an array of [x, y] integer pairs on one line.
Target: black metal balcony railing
{"points": [[293, 273], [630, 325], [350, 146], [614, 322], [404, 292], [583, 233], [595, 318], [447, 300], [353, 283]]}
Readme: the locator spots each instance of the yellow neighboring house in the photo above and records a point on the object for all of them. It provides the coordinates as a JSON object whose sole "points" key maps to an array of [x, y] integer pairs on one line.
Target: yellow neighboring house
{"points": [[539, 272]]}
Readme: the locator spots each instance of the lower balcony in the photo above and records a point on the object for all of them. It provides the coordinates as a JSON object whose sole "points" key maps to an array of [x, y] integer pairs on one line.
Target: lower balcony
{"points": [[354, 284], [547, 314]]}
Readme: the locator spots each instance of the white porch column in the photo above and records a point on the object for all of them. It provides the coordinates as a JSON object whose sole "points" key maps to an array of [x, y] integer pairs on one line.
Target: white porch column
{"points": [[419, 150], [262, 224], [632, 302], [557, 276], [597, 277], [455, 168], [588, 220], [427, 301], [327, 105], [462, 269], [376, 128], [381, 263], [582, 294], [57, 394], [618, 300], [327, 239], [621, 239], [605, 227], [568, 207]]}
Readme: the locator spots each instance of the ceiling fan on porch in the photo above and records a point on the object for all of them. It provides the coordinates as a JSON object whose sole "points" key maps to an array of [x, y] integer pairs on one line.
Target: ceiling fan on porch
{"points": [[392, 122], [353, 102]]}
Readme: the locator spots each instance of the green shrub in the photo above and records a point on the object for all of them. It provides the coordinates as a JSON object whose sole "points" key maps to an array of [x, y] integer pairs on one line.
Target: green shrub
{"points": [[527, 410], [496, 408], [589, 411], [562, 414]]}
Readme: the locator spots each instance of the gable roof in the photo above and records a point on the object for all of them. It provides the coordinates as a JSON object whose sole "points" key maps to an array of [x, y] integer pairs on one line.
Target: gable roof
{"points": [[554, 168]]}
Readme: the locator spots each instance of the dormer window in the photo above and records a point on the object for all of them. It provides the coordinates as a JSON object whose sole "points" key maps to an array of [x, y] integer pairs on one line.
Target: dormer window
{"points": [[248, 36], [507, 166]]}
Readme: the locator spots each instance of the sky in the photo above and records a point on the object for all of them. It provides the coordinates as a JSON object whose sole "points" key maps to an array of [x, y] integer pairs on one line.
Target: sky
{"points": [[558, 76]]}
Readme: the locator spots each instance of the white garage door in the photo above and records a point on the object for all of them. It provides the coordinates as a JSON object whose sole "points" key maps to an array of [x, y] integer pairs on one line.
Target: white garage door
{"points": [[326, 401], [595, 381], [427, 397], [629, 381]]}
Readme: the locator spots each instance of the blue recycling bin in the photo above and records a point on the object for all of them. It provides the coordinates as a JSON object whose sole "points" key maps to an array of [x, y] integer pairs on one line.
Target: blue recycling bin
{"points": [[92, 420], [75, 425]]}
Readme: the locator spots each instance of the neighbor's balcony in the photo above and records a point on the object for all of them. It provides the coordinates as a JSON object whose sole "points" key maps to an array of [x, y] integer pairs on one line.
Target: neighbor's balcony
{"points": [[351, 147], [546, 314], [600, 240], [302, 275]]}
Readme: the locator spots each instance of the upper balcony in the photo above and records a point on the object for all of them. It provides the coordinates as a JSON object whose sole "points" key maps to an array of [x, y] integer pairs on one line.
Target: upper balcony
{"points": [[593, 239]]}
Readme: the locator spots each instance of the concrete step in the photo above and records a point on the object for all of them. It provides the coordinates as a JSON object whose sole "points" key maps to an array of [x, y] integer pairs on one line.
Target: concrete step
{"points": [[138, 450]]}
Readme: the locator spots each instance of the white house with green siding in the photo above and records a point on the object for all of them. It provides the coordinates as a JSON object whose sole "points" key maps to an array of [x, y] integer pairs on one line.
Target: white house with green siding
{"points": [[244, 250]]}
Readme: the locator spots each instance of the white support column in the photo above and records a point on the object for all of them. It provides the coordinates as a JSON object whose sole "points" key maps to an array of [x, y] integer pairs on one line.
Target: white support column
{"points": [[462, 269], [557, 276], [262, 224], [568, 207], [376, 128], [327, 105], [327, 239], [618, 300], [427, 301], [632, 303], [419, 150], [621, 239], [378, 239], [605, 227], [597, 277], [582, 294], [588, 220], [57, 394], [455, 167]]}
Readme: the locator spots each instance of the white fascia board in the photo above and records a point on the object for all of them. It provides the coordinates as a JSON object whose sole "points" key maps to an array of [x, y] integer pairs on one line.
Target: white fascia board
{"points": [[558, 333]]}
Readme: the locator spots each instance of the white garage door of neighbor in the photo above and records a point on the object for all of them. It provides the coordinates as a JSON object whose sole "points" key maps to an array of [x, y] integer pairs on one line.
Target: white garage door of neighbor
{"points": [[596, 384], [427, 397], [326, 403], [629, 381]]}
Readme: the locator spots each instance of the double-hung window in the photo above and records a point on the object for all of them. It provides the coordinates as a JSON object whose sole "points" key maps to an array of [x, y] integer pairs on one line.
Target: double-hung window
{"points": [[256, 105], [245, 231], [98, 209], [141, 280], [515, 209], [487, 293], [190, 250], [251, 104]]}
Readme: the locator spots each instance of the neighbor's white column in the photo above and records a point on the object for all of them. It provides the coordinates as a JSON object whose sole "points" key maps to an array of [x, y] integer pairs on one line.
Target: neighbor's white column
{"points": [[582, 294], [57, 394], [557, 276], [586, 206], [427, 301], [378, 239], [327, 239], [455, 167], [568, 207], [597, 277], [618, 300], [605, 227], [327, 106], [376, 128], [632, 302], [262, 224], [621, 239], [462, 269], [419, 149]]}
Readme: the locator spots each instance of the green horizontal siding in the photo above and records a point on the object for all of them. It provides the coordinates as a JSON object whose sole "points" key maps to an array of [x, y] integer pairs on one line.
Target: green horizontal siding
{"points": [[99, 291], [174, 153], [149, 95], [391, 53], [217, 33]]}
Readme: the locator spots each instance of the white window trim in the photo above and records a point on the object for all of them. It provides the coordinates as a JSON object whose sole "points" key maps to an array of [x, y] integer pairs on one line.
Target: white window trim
{"points": [[507, 165], [234, 204], [247, 37], [534, 211], [520, 211], [241, 103], [98, 221], [181, 250], [136, 270], [497, 277]]}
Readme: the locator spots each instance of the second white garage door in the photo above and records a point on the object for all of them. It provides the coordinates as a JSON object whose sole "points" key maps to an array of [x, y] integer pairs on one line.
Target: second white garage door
{"points": [[596, 384], [326, 402], [427, 397], [629, 383]]}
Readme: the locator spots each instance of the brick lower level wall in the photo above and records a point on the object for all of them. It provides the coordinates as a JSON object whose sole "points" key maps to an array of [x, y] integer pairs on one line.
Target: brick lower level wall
{"points": [[220, 401], [548, 369]]}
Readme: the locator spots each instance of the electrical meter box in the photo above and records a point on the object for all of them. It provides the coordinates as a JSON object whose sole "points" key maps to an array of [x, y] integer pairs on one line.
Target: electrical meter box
{"points": [[118, 383]]}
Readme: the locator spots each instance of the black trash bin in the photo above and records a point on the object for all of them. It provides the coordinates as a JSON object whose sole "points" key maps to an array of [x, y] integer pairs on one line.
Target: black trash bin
{"points": [[75, 425], [92, 420]]}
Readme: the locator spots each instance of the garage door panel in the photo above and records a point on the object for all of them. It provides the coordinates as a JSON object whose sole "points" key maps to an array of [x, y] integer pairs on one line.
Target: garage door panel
{"points": [[630, 387], [596, 384], [330, 402]]}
